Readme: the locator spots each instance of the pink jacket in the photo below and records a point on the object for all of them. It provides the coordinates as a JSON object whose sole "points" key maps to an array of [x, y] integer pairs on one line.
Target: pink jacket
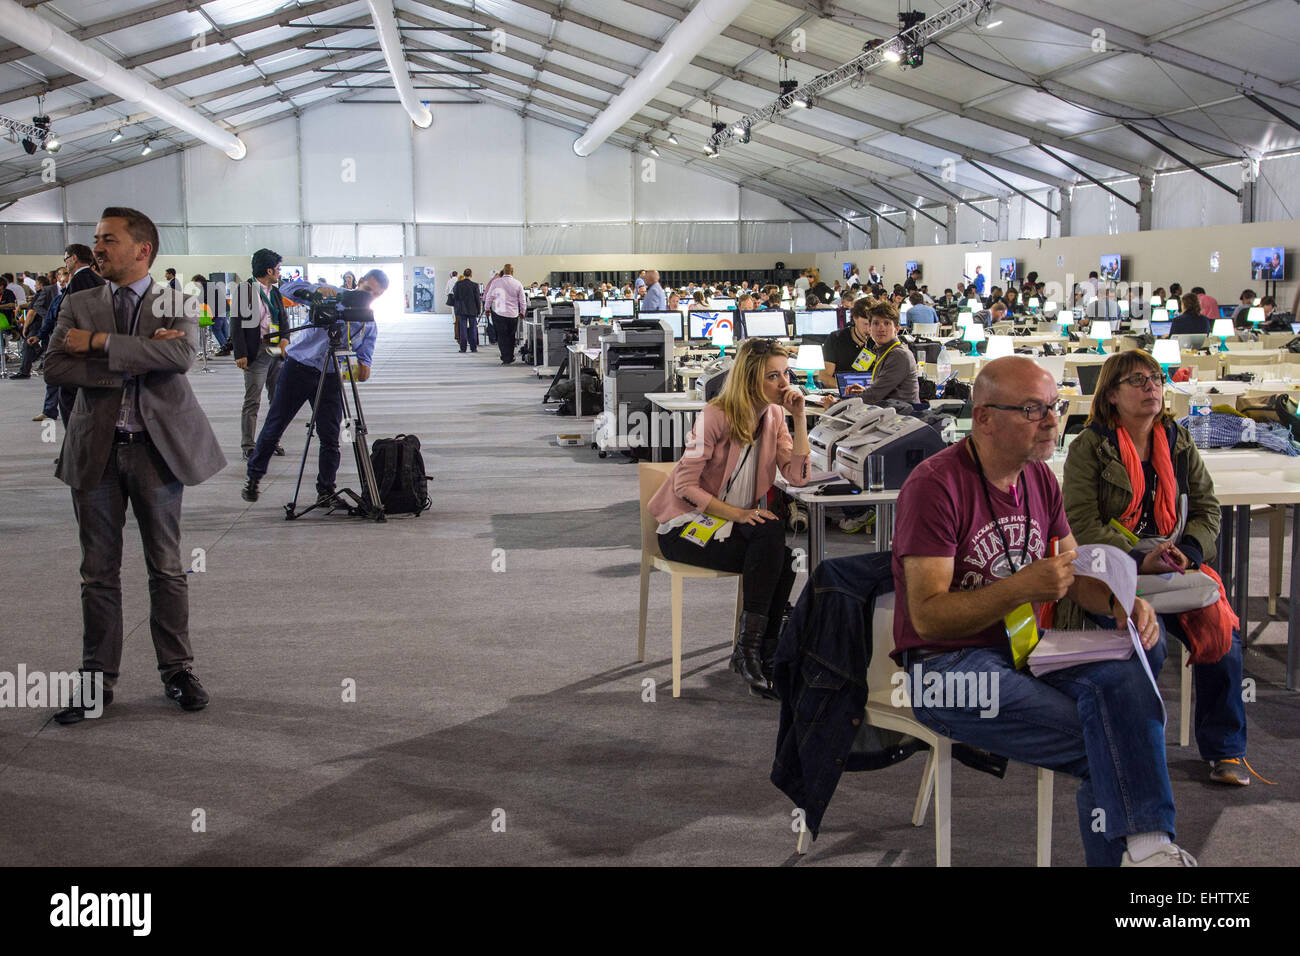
{"points": [[711, 456]]}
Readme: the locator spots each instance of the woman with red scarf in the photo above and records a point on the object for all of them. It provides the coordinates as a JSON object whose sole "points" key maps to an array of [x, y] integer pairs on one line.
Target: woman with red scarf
{"points": [[1132, 464]]}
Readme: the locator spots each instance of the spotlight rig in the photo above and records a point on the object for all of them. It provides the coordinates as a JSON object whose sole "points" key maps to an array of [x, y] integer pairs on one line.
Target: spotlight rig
{"points": [[906, 48]]}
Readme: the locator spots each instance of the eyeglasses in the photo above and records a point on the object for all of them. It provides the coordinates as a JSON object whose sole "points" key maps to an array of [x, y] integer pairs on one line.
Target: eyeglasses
{"points": [[1141, 381], [761, 346], [1034, 411]]}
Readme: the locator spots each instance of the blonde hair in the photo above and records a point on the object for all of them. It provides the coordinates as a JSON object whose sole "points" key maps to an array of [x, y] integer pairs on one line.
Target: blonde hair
{"points": [[742, 392]]}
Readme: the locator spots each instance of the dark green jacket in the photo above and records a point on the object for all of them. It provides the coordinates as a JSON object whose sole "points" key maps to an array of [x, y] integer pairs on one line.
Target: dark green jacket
{"points": [[1096, 488]]}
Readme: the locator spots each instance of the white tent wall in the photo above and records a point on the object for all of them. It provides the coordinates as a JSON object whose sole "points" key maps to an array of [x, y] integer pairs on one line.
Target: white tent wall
{"points": [[1093, 211], [357, 164], [260, 188], [469, 166], [1277, 194]]}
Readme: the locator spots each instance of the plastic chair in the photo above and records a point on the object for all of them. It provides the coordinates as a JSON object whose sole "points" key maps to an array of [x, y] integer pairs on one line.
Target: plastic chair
{"points": [[652, 475], [937, 777]]}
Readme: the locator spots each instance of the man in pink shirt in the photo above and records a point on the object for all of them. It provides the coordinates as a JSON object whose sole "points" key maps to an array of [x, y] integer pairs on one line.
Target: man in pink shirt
{"points": [[506, 303]]}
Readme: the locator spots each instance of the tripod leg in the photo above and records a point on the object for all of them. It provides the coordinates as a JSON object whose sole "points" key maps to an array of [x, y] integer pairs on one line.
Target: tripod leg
{"points": [[291, 509]]}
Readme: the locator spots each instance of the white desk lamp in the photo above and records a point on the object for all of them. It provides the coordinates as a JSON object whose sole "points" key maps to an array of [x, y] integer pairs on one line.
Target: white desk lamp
{"points": [[810, 359]]}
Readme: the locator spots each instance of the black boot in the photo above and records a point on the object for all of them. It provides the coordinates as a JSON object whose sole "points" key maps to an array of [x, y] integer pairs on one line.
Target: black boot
{"points": [[747, 658], [768, 664]]}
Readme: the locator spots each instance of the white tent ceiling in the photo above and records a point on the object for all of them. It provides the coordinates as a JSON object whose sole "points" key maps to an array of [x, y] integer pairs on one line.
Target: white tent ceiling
{"points": [[1180, 71]]}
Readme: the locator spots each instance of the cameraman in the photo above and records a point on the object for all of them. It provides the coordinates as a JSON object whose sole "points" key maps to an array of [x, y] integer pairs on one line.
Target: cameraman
{"points": [[305, 362]]}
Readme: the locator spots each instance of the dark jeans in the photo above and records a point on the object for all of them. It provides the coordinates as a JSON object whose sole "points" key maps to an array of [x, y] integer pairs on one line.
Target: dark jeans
{"points": [[58, 401], [296, 387], [1100, 722], [758, 552], [135, 473], [505, 327], [1220, 717], [467, 331], [30, 354]]}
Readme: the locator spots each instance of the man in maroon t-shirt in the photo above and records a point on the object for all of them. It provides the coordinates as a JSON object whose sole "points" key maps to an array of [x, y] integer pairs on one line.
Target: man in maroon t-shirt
{"points": [[973, 542]]}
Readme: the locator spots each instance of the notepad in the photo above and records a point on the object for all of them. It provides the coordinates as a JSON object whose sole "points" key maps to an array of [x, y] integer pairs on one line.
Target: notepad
{"points": [[1057, 650]]}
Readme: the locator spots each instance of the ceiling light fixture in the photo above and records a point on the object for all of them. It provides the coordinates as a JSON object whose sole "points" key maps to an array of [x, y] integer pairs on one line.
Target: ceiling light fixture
{"points": [[653, 151], [148, 148], [892, 55], [52, 145], [116, 136], [672, 139]]}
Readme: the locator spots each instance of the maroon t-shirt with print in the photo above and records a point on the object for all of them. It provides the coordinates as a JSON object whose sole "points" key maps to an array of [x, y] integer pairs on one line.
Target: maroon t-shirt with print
{"points": [[942, 512]]}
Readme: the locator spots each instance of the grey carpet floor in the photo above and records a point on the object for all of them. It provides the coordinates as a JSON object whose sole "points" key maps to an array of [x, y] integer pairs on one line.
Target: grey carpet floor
{"points": [[499, 715]]}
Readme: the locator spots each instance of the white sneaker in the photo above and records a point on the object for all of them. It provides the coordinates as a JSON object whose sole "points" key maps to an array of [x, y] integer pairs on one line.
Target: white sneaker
{"points": [[1169, 854], [860, 523]]}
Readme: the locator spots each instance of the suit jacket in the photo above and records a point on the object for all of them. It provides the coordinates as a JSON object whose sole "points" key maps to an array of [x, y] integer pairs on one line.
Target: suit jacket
{"points": [[1187, 324], [168, 409], [466, 299], [246, 318]]}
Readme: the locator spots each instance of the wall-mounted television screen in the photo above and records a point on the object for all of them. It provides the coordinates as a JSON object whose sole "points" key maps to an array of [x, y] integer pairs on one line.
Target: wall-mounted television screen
{"points": [[1112, 268], [1007, 271], [910, 266], [1268, 263]]}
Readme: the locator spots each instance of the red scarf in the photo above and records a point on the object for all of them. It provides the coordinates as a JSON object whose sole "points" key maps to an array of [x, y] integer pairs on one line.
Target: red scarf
{"points": [[1209, 630], [1166, 484]]}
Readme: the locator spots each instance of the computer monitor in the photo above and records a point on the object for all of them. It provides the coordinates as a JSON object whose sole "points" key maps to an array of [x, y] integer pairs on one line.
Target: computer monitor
{"points": [[1295, 328], [673, 317], [767, 323], [1161, 329], [587, 308], [1139, 325], [1088, 375], [621, 308], [722, 304], [1227, 311], [815, 322], [701, 323], [845, 379]]}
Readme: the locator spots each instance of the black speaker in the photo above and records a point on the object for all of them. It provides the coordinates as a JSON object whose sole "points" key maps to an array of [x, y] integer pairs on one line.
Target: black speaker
{"points": [[779, 266]]}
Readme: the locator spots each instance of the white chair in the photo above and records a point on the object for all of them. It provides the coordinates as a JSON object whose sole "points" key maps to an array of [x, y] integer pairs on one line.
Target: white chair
{"points": [[937, 777], [652, 475]]}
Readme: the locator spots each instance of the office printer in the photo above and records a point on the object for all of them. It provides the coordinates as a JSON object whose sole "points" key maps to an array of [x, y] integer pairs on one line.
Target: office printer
{"points": [[904, 441], [559, 330], [842, 420], [635, 358]]}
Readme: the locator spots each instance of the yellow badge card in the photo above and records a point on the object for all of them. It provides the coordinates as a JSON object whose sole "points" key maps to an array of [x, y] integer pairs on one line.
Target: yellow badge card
{"points": [[699, 532], [1022, 631]]}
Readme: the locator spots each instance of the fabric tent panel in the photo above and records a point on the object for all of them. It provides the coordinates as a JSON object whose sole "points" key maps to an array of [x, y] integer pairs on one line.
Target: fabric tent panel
{"points": [[31, 238], [469, 166], [564, 187], [678, 192], [470, 240], [1095, 212], [38, 207], [154, 188], [333, 240], [771, 237], [1186, 199], [356, 162], [808, 237], [380, 239], [1277, 195], [261, 187], [578, 238]]}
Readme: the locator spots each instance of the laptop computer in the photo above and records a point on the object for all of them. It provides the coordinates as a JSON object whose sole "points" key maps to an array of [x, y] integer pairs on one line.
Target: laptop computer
{"points": [[1160, 329], [845, 379]]}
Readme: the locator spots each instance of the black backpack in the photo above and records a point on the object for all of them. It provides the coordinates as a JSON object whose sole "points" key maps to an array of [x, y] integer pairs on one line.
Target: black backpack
{"points": [[399, 475]]}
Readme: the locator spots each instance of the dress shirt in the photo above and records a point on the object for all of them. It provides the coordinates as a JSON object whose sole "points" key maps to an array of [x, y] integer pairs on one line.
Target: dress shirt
{"points": [[655, 300], [129, 419], [311, 346]]}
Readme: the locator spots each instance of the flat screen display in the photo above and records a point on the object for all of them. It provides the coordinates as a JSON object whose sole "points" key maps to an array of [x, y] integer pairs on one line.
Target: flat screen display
{"points": [[1007, 271], [621, 308], [1161, 329], [910, 266], [767, 323], [1268, 263], [673, 317], [1112, 268], [816, 322], [587, 308], [721, 304], [702, 323]]}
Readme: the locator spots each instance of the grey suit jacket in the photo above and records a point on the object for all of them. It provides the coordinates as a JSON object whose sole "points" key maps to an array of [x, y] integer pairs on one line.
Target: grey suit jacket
{"points": [[169, 411]]}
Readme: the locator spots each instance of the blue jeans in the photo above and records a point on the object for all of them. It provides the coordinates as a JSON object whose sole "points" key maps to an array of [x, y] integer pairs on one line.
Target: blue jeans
{"points": [[1220, 716], [221, 330], [1099, 722], [296, 387]]}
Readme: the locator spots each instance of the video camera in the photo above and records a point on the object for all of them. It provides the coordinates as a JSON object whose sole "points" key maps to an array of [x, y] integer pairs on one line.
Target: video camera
{"points": [[328, 305]]}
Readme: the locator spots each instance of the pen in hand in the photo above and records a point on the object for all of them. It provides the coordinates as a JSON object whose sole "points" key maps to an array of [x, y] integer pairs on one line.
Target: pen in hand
{"points": [[1170, 563]]}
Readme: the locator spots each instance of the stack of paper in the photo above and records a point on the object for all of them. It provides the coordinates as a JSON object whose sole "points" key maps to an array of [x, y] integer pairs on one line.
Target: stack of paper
{"points": [[1060, 649]]}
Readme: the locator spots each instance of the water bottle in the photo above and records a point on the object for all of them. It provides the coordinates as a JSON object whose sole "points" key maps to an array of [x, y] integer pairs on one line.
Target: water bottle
{"points": [[1200, 403], [945, 369]]}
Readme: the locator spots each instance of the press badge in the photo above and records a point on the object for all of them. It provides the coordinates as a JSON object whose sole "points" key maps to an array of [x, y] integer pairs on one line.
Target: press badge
{"points": [[701, 531], [1022, 632]]}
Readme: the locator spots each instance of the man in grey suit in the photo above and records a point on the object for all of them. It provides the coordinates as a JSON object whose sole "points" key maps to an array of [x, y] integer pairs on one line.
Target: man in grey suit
{"points": [[136, 434]]}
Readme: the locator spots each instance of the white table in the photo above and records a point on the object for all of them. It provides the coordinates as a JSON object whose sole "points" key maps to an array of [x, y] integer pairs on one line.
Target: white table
{"points": [[576, 354], [682, 409]]}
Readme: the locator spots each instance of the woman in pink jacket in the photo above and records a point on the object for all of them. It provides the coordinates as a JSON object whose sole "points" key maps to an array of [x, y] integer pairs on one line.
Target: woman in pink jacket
{"points": [[710, 510]]}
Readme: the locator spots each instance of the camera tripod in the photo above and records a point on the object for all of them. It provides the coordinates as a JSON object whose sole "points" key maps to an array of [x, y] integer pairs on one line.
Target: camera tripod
{"points": [[367, 504]]}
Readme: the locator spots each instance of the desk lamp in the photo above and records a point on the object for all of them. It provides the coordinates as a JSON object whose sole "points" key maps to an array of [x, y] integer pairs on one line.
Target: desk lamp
{"points": [[1050, 307], [964, 319], [1255, 315], [1169, 354], [1100, 331], [973, 334], [1171, 306], [1156, 302], [809, 359], [1065, 319], [999, 346], [722, 336], [1223, 330], [1032, 304]]}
